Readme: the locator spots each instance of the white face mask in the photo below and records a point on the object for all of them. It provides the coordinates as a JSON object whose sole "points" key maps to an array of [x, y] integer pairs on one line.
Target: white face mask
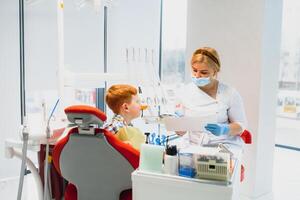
{"points": [[201, 82]]}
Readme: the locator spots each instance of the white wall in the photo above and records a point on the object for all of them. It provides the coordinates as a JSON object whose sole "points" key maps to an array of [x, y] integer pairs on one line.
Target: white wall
{"points": [[247, 36], [9, 83]]}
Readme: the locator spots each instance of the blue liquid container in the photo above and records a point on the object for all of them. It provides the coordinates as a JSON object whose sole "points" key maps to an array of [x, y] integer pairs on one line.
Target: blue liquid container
{"points": [[186, 165]]}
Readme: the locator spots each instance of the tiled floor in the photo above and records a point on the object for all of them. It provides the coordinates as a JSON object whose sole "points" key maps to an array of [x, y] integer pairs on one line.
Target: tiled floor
{"points": [[286, 183], [286, 178]]}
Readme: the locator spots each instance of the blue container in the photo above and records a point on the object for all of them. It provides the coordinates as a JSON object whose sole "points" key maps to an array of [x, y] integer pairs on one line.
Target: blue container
{"points": [[186, 165], [187, 172]]}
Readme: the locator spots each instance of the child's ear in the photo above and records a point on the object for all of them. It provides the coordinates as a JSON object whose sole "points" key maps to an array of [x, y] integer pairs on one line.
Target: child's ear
{"points": [[125, 107]]}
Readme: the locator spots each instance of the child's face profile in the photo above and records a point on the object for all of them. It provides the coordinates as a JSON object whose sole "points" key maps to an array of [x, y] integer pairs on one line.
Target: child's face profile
{"points": [[134, 107]]}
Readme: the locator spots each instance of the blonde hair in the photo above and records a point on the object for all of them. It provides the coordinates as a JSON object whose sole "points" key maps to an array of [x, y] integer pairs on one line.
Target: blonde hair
{"points": [[207, 55], [118, 94]]}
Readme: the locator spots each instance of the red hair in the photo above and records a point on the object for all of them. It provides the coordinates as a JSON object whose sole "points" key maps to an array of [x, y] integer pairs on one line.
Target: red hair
{"points": [[116, 95]]}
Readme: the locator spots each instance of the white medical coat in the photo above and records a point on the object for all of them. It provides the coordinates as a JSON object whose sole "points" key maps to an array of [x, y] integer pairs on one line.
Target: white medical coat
{"points": [[228, 107]]}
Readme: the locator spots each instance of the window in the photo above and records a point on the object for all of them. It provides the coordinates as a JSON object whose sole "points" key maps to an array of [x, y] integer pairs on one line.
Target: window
{"points": [[173, 41], [288, 110], [83, 53], [173, 49]]}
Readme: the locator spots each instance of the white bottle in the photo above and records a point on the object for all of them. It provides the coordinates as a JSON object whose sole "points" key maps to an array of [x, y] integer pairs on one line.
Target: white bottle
{"points": [[171, 161]]}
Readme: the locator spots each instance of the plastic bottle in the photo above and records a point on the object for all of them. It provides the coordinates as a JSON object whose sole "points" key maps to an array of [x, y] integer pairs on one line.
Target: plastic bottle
{"points": [[171, 160]]}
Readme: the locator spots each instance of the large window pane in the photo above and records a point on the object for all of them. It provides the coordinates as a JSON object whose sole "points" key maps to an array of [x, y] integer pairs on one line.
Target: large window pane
{"points": [[173, 49], [173, 40], [83, 53], [288, 111]]}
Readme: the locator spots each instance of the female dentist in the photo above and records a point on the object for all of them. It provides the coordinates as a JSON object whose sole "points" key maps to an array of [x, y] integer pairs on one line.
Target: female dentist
{"points": [[206, 95]]}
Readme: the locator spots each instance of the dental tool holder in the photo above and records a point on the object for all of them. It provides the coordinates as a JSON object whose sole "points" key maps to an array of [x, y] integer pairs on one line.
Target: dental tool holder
{"points": [[209, 163], [214, 167], [142, 73]]}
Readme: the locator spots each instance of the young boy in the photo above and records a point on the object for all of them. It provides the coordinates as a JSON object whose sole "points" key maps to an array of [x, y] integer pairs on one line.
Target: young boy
{"points": [[124, 102]]}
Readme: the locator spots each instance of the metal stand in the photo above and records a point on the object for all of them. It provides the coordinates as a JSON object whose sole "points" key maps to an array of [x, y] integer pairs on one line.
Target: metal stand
{"points": [[23, 165]]}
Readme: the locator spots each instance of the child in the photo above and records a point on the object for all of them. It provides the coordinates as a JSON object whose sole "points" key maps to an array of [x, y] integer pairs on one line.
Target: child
{"points": [[124, 102]]}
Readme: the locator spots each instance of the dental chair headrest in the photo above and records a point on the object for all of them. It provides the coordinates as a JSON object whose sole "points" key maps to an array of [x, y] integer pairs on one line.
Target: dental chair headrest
{"points": [[84, 115]]}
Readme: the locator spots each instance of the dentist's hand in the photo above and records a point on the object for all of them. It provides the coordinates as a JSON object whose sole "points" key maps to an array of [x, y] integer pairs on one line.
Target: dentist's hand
{"points": [[218, 129]]}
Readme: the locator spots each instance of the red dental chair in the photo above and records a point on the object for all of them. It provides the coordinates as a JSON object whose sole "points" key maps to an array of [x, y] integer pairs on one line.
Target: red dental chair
{"points": [[247, 137], [95, 163]]}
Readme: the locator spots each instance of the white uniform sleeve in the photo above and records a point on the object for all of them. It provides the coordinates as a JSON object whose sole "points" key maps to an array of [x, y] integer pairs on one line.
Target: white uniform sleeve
{"points": [[236, 111]]}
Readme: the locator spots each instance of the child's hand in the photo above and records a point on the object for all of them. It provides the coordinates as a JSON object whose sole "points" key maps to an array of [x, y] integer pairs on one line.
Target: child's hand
{"points": [[127, 142], [180, 133]]}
